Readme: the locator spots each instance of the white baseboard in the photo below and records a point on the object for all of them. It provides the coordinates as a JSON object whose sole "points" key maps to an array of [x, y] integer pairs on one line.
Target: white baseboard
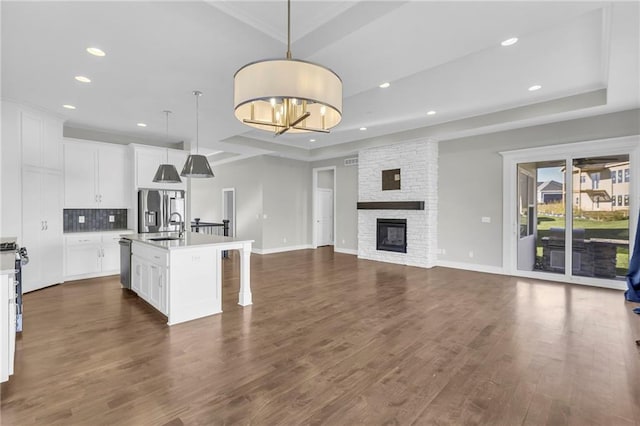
{"points": [[345, 251], [87, 276], [280, 249], [471, 267]]}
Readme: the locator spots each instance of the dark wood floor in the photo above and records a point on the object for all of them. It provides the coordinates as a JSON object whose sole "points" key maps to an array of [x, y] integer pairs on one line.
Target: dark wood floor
{"points": [[331, 340]]}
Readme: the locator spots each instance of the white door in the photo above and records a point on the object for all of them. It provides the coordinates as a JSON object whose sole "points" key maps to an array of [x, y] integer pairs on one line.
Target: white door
{"points": [[110, 254], [80, 175], [51, 242], [325, 216], [229, 209], [113, 168]]}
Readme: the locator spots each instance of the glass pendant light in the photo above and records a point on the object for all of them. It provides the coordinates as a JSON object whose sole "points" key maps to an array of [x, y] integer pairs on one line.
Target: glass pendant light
{"points": [[167, 173], [197, 166]]}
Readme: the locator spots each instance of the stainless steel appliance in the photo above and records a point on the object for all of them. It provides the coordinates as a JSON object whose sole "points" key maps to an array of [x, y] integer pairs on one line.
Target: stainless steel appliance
{"points": [[155, 208], [21, 259], [125, 262]]}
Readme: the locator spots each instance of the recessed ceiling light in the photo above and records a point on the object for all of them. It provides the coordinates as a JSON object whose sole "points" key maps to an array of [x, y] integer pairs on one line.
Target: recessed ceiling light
{"points": [[363, 128], [312, 140], [510, 41], [432, 112], [83, 79], [385, 85], [67, 106], [535, 87], [95, 51], [142, 125]]}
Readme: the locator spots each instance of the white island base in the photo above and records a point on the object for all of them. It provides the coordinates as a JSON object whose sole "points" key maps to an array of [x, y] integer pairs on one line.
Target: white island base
{"points": [[183, 278]]}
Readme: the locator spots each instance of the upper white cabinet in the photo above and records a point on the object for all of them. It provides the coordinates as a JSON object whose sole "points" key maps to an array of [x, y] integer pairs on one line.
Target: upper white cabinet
{"points": [[40, 138], [147, 160], [96, 175]]}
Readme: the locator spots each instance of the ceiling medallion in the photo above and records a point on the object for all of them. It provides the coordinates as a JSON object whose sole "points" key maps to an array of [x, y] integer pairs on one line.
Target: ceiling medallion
{"points": [[287, 95]]}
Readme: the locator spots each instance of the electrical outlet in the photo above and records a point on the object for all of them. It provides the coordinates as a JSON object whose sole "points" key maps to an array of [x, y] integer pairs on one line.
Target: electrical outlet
{"points": [[342, 241], [486, 219], [284, 240], [80, 219], [112, 218], [471, 254]]}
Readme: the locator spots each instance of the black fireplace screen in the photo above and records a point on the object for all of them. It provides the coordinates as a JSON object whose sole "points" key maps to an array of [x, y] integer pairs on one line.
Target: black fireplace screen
{"points": [[392, 235]]}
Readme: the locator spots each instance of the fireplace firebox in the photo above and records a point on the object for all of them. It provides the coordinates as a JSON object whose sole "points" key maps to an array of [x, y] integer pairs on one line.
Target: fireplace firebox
{"points": [[392, 235]]}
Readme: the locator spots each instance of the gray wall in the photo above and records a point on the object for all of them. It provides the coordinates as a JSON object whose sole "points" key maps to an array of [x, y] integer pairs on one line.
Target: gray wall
{"points": [[287, 203], [272, 200], [470, 180], [346, 197], [245, 176]]}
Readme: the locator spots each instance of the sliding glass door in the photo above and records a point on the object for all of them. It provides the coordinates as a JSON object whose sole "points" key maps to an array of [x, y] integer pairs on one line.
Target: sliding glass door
{"points": [[568, 215]]}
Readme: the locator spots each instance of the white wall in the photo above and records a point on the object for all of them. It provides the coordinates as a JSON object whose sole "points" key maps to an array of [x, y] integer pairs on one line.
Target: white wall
{"points": [[470, 181], [11, 173], [346, 198]]}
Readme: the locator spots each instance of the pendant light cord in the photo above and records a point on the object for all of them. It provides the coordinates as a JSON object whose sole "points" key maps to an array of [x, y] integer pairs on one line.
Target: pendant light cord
{"points": [[288, 29], [166, 113], [197, 94]]}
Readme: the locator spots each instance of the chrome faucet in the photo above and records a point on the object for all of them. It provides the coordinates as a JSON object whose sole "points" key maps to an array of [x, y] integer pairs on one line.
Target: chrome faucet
{"points": [[181, 232]]}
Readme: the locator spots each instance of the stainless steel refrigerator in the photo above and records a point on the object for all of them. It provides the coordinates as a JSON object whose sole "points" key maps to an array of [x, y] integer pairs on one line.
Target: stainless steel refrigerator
{"points": [[155, 207]]}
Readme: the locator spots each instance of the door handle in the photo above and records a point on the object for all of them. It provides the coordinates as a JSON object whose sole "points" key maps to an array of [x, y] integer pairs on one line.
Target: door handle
{"points": [[46, 225], [95, 198], [42, 225]]}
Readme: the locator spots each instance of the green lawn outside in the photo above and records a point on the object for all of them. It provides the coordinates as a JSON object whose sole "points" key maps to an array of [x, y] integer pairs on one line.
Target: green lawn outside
{"points": [[615, 229]]}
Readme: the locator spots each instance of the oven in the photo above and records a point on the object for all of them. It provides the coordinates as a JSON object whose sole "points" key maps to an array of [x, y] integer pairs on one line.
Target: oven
{"points": [[21, 259]]}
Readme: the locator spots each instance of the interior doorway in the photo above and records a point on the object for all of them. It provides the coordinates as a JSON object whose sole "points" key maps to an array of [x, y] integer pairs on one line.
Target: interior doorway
{"points": [[324, 206], [229, 209]]}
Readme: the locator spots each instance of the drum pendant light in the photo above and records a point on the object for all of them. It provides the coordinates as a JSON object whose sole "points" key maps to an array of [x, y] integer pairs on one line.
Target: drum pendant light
{"points": [[167, 173], [287, 95], [197, 166]]}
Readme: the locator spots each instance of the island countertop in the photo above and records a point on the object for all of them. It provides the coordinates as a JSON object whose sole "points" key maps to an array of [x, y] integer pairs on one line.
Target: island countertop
{"points": [[188, 240]]}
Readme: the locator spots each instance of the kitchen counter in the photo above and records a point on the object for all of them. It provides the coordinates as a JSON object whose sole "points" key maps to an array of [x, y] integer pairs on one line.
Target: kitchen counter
{"points": [[189, 239], [7, 258], [109, 231], [182, 278]]}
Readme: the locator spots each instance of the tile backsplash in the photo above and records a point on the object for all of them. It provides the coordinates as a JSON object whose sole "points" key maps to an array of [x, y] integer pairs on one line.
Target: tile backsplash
{"points": [[94, 220]]}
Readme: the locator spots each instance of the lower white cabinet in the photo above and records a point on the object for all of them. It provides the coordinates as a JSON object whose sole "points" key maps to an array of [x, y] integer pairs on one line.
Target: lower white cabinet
{"points": [[149, 271], [92, 254]]}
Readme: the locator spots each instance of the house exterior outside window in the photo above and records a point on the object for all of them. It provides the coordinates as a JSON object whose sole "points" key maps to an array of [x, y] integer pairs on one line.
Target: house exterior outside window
{"points": [[626, 200]]}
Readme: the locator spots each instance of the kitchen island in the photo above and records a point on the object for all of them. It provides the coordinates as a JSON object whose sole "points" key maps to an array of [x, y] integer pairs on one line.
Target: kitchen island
{"points": [[182, 277]]}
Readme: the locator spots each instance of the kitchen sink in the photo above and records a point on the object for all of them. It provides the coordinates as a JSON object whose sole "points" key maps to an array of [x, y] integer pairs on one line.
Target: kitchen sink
{"points": [[164, 239]]}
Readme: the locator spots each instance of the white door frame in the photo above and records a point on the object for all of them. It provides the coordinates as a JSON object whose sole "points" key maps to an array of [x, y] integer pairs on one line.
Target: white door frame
{"points": [[233, 206], [314, 206], [615, 146]]}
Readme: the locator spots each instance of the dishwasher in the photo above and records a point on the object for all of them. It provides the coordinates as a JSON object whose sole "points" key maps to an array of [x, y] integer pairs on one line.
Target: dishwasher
{"points": [[125, 263]]}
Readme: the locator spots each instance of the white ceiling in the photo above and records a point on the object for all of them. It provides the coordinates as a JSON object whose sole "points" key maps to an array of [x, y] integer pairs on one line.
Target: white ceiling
{"points": [[443, 56]]}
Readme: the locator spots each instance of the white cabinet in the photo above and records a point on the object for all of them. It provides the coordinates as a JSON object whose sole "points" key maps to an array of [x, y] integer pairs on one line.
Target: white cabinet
{"points": [[92, 254], [40, 138], [147, 160], [41, 227], [7, 326], [149, 275], [96, 175]]}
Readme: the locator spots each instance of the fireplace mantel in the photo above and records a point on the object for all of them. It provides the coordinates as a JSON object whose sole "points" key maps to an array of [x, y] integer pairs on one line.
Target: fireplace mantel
{"points": [[391, 205]]}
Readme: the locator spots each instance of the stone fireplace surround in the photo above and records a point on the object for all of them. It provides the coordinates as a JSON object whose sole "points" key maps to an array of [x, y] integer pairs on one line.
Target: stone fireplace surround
{"points": [[418, 164]]}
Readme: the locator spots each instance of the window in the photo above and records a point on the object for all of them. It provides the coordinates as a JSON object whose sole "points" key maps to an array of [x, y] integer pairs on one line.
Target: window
{"points": [[619, 200], [626, 200], [613, 176], [613, 201], [583, 178], [626, 175], [620, 176], [595, 180]]}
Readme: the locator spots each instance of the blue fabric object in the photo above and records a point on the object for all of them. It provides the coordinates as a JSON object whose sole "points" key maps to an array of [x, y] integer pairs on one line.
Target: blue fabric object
{"points": [[636, 310], [633, 276]]}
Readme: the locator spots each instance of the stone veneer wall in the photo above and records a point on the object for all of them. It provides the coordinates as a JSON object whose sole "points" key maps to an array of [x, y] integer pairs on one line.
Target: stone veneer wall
{"points": [[418, 164]]}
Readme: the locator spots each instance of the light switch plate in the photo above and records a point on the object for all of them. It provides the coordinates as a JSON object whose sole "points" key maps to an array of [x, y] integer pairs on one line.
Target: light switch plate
{"points": [[486, 219], [112, 218], [80, 219]]}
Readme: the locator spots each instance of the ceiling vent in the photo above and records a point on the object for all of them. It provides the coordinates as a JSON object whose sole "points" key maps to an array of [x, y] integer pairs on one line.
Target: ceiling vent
{"points": [[351, 161]]}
